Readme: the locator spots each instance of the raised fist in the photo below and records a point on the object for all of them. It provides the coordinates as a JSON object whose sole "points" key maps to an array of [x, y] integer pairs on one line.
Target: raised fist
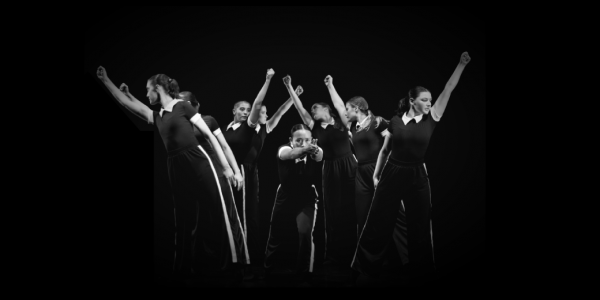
{"points": [[299, 90], [287, 80], [328, 80], [465, 58], [124, 88], [270, 74], [101, 73]]}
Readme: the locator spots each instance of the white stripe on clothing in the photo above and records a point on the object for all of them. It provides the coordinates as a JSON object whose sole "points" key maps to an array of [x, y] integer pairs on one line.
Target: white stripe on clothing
{"points": [[312, 244], [240, 222]]}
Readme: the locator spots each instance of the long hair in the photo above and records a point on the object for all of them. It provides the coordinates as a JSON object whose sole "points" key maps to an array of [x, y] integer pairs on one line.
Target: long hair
{"points": [[169, 84], [188, 96], [338, 123], [404, 104]]}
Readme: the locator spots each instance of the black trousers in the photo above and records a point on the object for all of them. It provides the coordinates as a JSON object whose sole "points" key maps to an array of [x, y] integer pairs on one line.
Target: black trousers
{"points": [[304, 212], [208, 234], [246, 201], [365, 190], [408, 182], [340, 211]]}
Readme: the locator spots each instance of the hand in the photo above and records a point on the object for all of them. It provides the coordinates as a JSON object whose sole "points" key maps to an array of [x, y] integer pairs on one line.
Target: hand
{"points": [[287, 80], [239, 181], [375, 181], [328, 80], [229, 175], [124, 88], [101, 73], [270, 74], [465, 58], [299, 90], [312, 149]]}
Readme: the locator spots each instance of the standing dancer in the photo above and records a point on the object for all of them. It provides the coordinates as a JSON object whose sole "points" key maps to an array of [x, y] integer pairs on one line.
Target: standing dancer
{"points": [[339, 169], [205, 231], [404, 177], [240, 135], [296, 198]]}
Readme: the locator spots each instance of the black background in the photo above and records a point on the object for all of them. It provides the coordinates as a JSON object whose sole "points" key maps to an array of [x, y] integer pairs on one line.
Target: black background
{"points": [[222, 54]]}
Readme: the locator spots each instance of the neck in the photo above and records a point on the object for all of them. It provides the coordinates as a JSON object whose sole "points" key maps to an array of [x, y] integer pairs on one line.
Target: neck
{"points": [[329, 119], [361, 117], [412, 113], [165, 99]]}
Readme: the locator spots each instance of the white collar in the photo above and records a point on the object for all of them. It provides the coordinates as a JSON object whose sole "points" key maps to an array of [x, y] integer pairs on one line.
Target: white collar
{"points": [[324, 125], [237, 125], [301, 159], [361, 124], [406, 119], [169, 106]]}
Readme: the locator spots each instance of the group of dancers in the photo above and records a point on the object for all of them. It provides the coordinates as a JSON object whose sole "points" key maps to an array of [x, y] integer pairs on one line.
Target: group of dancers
{"points": [[375, 187]]}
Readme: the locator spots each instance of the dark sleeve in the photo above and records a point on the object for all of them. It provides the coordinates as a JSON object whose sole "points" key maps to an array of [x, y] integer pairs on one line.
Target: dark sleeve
{"points": [[383, 125], [154, 117], [212, 123], [390, 127], [188, 109]]}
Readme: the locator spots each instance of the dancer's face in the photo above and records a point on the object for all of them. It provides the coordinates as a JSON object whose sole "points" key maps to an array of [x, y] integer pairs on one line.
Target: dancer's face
{"points": [[152, 93], [262, 118], [351, 112], [301, 138], [240, 114], [318, 112], [422, 104]]}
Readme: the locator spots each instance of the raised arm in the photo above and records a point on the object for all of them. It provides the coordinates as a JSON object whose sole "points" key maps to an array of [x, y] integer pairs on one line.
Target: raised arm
{"points": [[274, 120], [198, 122], [296, 152], [337, 101], [440, 105], [136, 107], [304, 115], [382, 158], [257, 104], [232, 162]]}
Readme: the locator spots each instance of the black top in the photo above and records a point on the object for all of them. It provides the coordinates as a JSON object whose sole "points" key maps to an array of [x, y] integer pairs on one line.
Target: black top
{"points": [[239, 140], [410, 141], [204, 141], [368, 142], [334, 142], [175, 127], [297, 178], [258, 141]]}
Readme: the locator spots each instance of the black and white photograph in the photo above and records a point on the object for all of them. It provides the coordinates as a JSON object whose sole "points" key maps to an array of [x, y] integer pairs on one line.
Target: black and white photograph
{"points": [[289, 146]]}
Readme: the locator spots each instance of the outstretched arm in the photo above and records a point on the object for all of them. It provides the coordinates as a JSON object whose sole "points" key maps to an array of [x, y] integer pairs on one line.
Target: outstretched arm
{"points": [[274, 120], [257, 104], [337, 101], [136, 107], [304, 115], [232, 162], [440, 105], [382, 159]]}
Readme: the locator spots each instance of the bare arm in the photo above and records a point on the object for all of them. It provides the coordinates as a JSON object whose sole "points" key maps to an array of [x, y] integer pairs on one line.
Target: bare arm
{"points": [[297, 152], [382, 158], [440, 105], [231, 159], [304, 115], [274, 120], [337, 101], [257, 104], [198, 122], [136, 107]]}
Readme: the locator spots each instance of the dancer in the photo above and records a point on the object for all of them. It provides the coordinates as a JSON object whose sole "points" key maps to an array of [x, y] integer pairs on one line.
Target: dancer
{"points": [[207, 232], [296, 199], [338, 173], [240, 135], [404, 177]]}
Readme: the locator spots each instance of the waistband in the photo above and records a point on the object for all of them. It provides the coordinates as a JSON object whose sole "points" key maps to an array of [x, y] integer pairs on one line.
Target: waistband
{"points": [[349, 154], [405, 164], [367, 162], [178, 151]]}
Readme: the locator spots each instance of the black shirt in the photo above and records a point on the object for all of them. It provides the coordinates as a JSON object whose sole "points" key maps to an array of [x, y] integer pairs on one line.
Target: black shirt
{"points": [[205, 142], [297, 178], [175, 127], [258, 141], [334, 142], [240, 141], [368, 142], [410, 141]]}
